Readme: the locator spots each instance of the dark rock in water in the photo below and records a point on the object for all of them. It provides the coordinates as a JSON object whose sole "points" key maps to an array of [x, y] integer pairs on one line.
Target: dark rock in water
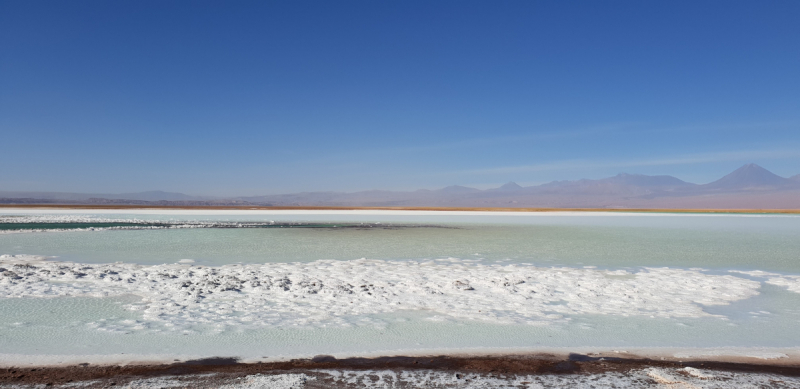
{"points": [[213, 361], [323, 358]]}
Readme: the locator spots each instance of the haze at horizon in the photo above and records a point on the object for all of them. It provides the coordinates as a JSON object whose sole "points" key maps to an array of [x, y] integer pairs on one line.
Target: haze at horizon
{"points": [[252, 98]]}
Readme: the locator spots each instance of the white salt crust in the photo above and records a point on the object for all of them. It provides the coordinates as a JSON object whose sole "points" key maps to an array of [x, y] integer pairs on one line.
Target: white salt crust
{"points": [[727, 353], [277, 381], [66, 219], [255, 381], [791, 282], [345, 293], [641, 378], [61, 219], [21, 258]]}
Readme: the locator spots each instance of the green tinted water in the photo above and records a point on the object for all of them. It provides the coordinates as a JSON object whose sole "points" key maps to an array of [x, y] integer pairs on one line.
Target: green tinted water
{"points": [[74, 325], [728, 244]]}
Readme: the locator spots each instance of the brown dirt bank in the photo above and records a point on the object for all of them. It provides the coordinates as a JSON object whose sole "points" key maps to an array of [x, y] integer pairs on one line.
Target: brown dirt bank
{"points": [[227, 369], [473, 209]]}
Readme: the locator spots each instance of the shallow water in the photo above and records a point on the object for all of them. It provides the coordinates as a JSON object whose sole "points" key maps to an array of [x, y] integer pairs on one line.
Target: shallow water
{"points": [[748, 243], [536, 281]]}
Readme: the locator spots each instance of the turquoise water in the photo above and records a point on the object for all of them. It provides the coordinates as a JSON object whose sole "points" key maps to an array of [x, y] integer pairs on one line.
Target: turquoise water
{"points": [[770, 244], [714, 244]]}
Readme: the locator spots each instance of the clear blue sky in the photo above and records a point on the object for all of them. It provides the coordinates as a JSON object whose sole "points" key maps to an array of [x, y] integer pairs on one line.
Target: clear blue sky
{"points": [[245, 98]]}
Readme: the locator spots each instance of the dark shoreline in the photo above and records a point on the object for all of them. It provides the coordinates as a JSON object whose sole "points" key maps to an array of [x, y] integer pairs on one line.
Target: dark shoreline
{"points": [[228, 370], [79, 225]]}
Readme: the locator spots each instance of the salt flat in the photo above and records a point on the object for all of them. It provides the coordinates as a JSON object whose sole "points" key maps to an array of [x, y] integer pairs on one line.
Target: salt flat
{"points": [[402, 283]]}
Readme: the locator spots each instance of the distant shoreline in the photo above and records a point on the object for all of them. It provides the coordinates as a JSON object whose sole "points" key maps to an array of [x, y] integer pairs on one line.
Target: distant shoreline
{"points": [[441, 209]]}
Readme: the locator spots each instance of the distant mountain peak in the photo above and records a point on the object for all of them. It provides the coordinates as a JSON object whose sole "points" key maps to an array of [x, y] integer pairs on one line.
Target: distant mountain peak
{"points": [[510, 186], [752, 170], [750, 176], [795, 178], [751, 167]]}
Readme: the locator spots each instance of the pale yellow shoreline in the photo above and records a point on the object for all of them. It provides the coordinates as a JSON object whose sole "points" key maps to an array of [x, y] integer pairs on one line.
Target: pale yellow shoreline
{"points": [[441, 209]]}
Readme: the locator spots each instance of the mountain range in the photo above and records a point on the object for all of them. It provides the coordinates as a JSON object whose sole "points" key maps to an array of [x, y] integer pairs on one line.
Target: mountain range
{"points": [[750, 186]]}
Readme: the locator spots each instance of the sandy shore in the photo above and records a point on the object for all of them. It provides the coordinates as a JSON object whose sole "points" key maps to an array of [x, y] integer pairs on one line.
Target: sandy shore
{"points": [[327, 371]]}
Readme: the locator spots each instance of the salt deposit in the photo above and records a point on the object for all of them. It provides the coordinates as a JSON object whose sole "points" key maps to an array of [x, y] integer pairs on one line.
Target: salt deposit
{"points": [[791, 282], [38, 218], [637, 378], [275, 381], [55, 223], [255, 381], [179, 297], [21, 258]]}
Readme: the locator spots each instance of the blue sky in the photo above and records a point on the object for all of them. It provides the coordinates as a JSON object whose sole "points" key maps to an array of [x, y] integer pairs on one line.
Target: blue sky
{"points": [[246, 98]]}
